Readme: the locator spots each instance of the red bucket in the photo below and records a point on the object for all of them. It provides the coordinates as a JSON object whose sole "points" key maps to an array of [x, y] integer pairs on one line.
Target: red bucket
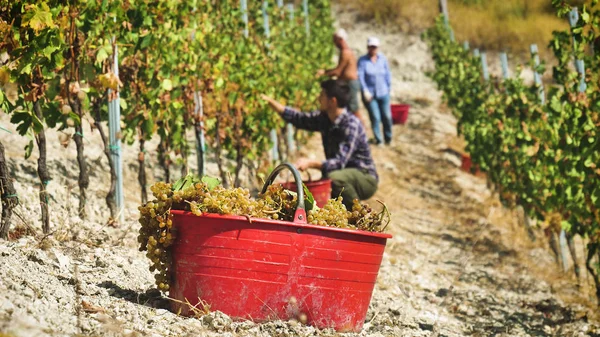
{"points": [[400, 113], [320, 189], [466, 163], [268, 269]]}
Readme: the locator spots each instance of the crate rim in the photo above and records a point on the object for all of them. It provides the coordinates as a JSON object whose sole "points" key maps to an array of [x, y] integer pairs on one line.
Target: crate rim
{"points": [[356, 232]]}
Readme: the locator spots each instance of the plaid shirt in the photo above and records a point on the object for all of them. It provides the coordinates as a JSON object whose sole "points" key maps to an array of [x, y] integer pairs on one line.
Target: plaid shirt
{"points": [[344, 141]]}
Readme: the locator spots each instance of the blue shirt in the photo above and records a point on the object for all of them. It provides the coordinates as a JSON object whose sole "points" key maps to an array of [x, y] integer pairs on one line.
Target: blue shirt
{"points": [[344, 141], [375, 77]]}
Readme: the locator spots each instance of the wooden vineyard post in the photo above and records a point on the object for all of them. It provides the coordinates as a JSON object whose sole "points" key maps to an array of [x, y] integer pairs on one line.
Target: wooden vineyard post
{"points": [[484, 67], [8, 194], [114, 125], [504, 63], [537, 76]]}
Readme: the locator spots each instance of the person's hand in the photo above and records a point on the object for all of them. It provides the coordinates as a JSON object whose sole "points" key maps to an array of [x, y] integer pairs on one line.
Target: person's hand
{"points": [[302, 164], [320, 72], [367, 95], [273, 103], [266, 98]]}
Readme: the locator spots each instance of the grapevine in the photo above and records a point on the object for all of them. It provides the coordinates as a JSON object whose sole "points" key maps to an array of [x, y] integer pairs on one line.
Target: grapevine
{"points": [[543, 157], [57, 65]]}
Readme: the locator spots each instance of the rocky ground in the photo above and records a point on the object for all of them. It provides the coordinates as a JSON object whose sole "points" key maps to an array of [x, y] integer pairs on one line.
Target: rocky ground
{"points": [[458, 264]]}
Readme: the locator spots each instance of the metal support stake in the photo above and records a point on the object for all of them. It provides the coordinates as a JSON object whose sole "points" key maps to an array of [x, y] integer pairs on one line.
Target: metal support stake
{"points": [[484, 67], [537, 76], [291, 9], [244, 7], [275, 149], [200, 143], [579, 64], [504, 62], [114, 126], [306, 18], [444, 10], [265, 13], [466, 45], [289, 130]]}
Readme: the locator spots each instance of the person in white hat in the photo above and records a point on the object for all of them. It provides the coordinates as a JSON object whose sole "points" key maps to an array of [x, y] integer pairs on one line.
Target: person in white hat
{"points": [[345, 70], [375, 81]]}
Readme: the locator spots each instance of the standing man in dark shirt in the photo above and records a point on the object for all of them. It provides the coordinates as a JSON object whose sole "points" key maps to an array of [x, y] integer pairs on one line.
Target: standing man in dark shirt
{"points": [[348, 160]]}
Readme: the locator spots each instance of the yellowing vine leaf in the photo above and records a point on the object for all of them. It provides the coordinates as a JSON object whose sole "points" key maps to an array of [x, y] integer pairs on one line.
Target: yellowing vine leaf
{"points": [[37, 17], [109, 81], [4, 76], [167, 85], [12, 92]]}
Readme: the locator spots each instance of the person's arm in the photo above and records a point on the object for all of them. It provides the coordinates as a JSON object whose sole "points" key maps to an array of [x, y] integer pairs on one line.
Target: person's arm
{"points": [[278, 107], [303, 164], [361, 79], [312, 121], [345, 150], [388, 74], [343, 62]]}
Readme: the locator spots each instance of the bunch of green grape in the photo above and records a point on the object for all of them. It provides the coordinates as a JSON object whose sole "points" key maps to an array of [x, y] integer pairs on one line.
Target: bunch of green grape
{"points": [[235, 201], [157, 232], [362, 217], [279, 203], [333, 214]]}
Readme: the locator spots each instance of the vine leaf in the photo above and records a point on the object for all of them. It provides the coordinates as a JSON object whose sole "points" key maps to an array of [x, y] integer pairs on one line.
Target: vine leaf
{"points": [[167, 85], [37, 18], [309, 199], [211, 182]]}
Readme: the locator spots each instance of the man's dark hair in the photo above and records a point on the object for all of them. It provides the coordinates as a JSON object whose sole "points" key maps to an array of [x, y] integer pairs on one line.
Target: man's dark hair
{"points": [[338, 89]]}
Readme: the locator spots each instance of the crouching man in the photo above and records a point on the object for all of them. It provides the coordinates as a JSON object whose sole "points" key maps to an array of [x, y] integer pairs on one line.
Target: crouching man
{"points": [[348, 161]]}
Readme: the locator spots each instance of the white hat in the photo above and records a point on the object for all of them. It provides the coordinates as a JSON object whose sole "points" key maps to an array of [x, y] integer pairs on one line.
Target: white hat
{"points": [[373, 41], [341, 33]]}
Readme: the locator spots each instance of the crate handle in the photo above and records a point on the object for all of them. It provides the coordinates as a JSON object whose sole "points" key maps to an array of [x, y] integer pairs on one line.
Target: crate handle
{"points": [[300, 215]]}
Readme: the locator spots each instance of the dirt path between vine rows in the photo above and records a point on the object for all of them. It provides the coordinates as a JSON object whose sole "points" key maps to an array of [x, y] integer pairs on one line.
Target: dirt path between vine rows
{"points": [[458, 263]]}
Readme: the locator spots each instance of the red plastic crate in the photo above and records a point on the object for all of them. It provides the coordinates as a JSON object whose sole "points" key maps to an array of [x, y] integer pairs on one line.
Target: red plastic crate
{"points": [[267, 269]]}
